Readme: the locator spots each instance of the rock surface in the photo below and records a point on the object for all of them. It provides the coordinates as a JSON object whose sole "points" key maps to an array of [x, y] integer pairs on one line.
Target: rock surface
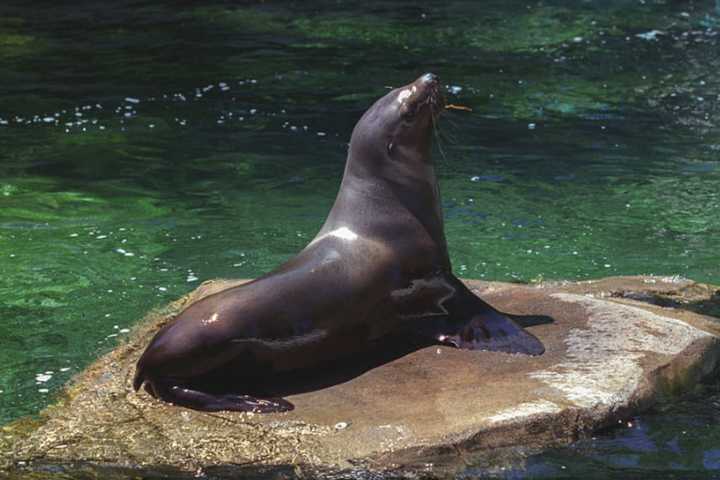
{"points": [[612, 346]]}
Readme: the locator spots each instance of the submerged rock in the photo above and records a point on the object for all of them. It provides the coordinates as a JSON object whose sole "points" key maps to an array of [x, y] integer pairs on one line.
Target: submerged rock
{"points": [[613, 346]]}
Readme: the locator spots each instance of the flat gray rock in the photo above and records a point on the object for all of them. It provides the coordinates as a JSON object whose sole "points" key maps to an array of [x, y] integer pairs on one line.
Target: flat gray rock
{"points": [[612, 346]]}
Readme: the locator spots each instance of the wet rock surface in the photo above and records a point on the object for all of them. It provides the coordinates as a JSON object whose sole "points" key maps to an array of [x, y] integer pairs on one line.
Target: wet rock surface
{"points": [[612, 347]]}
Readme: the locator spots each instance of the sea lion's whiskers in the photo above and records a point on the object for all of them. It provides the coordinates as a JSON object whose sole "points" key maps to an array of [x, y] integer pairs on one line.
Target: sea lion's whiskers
{"points": [[446, 132], [450, 119], [450, 127], [436, 132], [448, 136]]}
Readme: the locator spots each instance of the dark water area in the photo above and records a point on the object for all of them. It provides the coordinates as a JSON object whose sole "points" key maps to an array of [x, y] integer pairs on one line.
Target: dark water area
{"points": [[147, 147]]}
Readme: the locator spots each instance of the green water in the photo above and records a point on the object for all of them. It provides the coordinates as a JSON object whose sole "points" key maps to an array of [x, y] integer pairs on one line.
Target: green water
{"points": [[145, 148]]}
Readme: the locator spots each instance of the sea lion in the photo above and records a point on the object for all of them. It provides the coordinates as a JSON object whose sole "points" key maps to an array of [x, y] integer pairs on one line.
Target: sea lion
{"points": [[378, 266]]}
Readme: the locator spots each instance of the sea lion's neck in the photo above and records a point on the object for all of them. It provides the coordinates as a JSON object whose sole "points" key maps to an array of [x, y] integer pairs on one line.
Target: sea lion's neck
{"points": [[393, 181], [384, 190]]}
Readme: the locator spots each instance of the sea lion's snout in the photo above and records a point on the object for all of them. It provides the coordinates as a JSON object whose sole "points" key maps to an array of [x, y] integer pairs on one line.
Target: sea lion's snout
{"points": [[428, 79], [437, 99], [427, 86], [425, 91]]}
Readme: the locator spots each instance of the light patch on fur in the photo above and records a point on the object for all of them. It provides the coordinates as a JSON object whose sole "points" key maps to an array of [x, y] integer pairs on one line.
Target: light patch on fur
{"points": [[526, 410], [403, 95], [442, 291], [213, 318], [604, 361], [282, 344], [344, 233]]}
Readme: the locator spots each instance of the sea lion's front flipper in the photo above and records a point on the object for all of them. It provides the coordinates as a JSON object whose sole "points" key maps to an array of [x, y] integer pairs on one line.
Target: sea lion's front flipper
{"points": [[474, 325], [491, 330]]}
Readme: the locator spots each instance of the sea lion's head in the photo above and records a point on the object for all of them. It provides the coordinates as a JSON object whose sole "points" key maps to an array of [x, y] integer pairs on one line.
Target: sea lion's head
{"points": [[399, 126]]}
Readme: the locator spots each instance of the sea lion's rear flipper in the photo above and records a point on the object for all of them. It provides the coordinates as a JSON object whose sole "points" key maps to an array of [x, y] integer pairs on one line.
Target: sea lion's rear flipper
{"points": [[209, 402], [474, 325]]}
